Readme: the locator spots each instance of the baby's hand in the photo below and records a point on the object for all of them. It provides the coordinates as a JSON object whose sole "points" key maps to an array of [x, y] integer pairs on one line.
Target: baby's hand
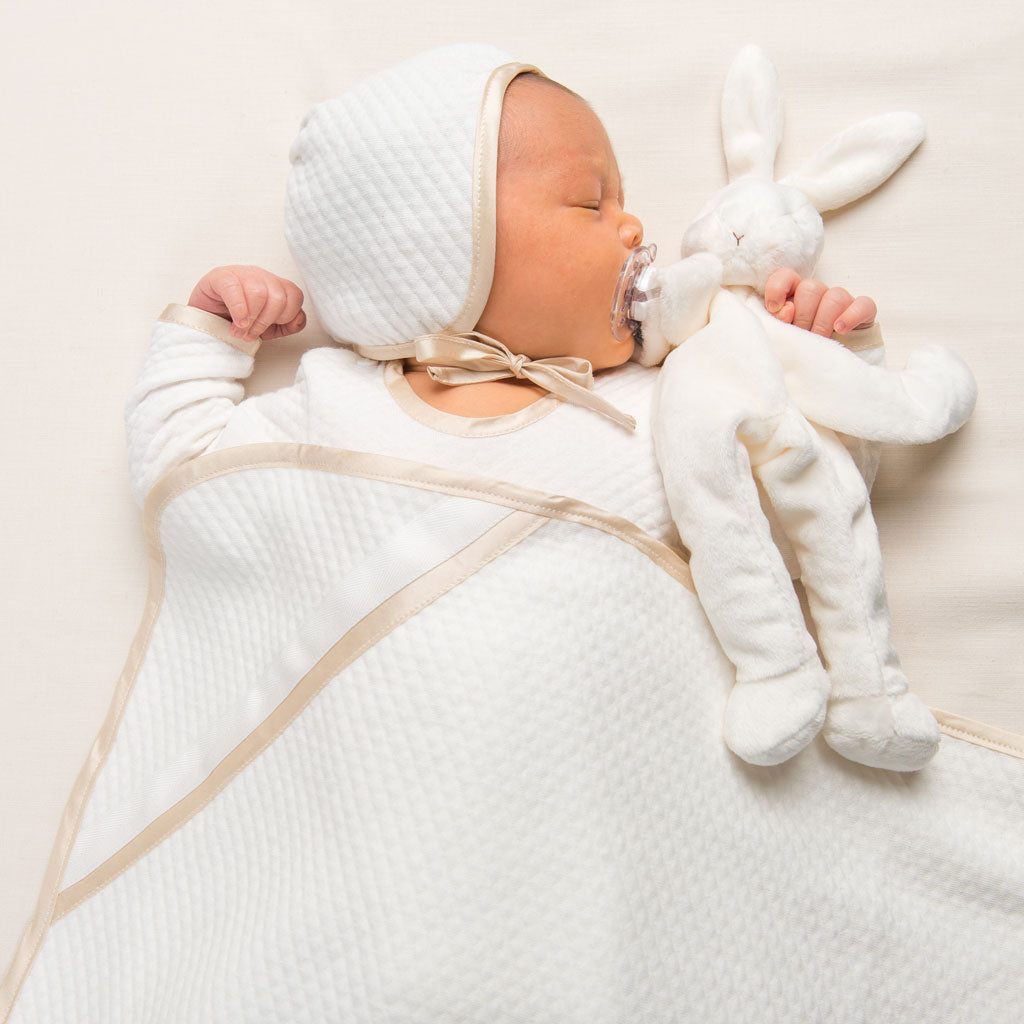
{"points": [[814, 306], [259, 303]]}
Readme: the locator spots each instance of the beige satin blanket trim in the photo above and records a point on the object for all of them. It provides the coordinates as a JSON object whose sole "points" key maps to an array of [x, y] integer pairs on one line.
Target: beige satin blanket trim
{"points": [[208, 323], [386, 468], [531, 509], [391, 613], [981, 734], [368, 631]]}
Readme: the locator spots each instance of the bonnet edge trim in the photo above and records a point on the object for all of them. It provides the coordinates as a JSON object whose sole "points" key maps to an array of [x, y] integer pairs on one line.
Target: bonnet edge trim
{"points": [[485, 177], [484, 200]]}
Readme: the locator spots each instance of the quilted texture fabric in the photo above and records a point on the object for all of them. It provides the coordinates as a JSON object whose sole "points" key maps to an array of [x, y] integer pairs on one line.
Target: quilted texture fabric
{"points": [[556, 835], [184, 404], [194, 687], [340, 399], [379, 211]]}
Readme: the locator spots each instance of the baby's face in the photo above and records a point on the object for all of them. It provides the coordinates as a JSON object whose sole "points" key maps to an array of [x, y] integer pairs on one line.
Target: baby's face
{"points": [[562, 232]]}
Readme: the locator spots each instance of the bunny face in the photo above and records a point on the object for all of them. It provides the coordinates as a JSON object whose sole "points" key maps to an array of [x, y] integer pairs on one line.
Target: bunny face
{"points": [[756, 224], [754, 227]]}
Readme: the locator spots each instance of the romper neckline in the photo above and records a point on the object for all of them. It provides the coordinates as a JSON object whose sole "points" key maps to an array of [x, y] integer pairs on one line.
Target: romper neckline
{"points": [[461, 426]]}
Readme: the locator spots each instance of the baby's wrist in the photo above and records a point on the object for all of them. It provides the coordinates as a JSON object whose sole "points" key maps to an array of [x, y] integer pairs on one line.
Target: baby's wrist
{"points": [[208, 322]]}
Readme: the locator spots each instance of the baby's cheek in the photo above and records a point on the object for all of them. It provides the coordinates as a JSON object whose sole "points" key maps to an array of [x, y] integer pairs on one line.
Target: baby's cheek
{"points": [[587, 302]]}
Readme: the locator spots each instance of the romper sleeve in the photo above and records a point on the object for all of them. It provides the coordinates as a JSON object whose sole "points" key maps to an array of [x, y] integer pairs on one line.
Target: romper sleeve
{"points": [[189, 385]]}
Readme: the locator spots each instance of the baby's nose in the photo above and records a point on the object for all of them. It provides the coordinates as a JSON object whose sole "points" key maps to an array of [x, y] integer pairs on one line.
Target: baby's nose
{"points": [[631, 231]]}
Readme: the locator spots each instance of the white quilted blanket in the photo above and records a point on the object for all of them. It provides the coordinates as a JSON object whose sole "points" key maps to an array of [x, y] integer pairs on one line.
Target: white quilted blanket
{"points": [[367, 763]]}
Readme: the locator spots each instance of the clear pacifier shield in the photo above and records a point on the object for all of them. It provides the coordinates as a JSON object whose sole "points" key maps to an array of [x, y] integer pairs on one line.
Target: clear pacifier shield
{"points": [[631, 289]]}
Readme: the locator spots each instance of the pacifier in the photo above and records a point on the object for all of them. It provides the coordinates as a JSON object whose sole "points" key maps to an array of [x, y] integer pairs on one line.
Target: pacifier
{"points": [[635, 287]]}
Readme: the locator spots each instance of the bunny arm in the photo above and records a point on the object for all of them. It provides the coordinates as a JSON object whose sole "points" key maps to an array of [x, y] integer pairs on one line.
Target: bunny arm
{"points": [[689, 286], [682, 307], [686, 291], [931, 397], [719, 397]]}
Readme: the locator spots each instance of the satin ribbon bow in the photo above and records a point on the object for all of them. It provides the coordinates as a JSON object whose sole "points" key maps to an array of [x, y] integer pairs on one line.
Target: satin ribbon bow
{"points": [[472, 357]]}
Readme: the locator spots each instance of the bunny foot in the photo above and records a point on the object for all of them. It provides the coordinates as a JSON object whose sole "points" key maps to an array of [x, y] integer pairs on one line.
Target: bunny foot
{"points": [[767, 721], [898, 733]]}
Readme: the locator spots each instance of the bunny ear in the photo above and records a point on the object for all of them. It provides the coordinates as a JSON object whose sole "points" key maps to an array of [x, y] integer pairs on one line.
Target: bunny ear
{"points": [[751, 115], [858, 160]]}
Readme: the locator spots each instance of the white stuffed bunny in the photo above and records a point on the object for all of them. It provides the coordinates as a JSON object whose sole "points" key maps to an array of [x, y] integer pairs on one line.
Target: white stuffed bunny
{"points": [[735, 404]]}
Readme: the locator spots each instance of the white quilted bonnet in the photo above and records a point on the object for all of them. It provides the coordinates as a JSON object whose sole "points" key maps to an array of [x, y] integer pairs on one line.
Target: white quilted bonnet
{"points": [[390, 205]]}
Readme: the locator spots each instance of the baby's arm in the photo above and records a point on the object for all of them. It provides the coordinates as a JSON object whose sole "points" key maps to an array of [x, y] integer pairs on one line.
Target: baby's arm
{"points": [[189, 384]]}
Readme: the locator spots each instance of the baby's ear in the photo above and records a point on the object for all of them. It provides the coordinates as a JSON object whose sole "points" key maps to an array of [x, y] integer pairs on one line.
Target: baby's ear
{"points": [[751, 115]]}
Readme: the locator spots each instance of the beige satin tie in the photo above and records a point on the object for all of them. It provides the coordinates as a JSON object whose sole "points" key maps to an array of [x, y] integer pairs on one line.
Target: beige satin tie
{"points": [[472, 357]]}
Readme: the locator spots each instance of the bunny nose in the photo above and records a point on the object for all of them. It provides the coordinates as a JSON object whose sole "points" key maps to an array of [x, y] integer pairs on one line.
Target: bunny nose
{"points": [[738, 237]]}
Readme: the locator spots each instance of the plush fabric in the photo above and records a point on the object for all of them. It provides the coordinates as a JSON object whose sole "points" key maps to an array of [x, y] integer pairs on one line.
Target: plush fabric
{"points": [[748, 406]]}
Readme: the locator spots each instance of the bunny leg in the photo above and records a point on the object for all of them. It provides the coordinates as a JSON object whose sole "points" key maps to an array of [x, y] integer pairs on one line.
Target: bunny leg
{"points": [[713, 393], [768, 720], [822, 505]]}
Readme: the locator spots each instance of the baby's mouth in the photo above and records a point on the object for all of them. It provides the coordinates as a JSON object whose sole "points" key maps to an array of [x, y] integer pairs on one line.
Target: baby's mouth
{"points": [[635, 287]]}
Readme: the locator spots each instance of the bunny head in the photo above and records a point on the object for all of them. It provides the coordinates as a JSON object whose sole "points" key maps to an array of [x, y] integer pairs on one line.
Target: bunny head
{"points": [[755, 225]]}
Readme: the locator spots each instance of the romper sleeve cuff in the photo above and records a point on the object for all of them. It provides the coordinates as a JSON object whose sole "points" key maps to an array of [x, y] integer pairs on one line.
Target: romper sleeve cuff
{"points": [[208, 323], [861, 338]]}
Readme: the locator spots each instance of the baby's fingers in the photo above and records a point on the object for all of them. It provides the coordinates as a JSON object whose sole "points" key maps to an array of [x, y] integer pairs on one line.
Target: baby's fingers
{"points": [[807, 299], [283, 330], [228, 287], [273, 306], [860, 313], [282, 315], [261, 301], [778, 288], [831, 304]]}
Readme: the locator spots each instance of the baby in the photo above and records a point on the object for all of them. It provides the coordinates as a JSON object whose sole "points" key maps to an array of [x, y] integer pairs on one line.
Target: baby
{"points": [[460, 224], [563, 233]]}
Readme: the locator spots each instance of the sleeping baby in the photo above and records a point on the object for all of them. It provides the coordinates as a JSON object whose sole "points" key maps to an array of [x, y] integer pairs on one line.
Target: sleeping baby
{"points": [[459, 222]]}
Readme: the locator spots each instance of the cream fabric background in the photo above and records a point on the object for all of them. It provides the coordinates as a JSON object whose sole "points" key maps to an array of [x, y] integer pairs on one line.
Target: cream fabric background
{"points": [[145, 144]]}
